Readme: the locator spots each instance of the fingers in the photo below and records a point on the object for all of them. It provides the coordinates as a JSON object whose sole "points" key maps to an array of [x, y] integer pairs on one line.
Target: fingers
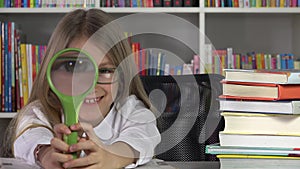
{"points": [[84, 162], [85, 127], [59, 145], [87, 161], [60, 130], [89, 131], [61, 158], [87, 145]]}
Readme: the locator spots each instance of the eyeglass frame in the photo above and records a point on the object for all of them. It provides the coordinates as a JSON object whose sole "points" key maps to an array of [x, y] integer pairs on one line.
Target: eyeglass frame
{"points": [[111, 69]]}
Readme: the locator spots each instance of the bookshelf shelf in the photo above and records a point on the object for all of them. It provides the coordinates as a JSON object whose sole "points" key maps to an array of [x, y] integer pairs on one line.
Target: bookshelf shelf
{"points": [[244, 29], [251, 10], [4, 115], [109, 10], [194, 10]]}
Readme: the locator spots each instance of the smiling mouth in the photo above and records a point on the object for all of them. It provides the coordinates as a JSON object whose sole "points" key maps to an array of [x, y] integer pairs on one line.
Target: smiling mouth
{"points": [[92, 100]]}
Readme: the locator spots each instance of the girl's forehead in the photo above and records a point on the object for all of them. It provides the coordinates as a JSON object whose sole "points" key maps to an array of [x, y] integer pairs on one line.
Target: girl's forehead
{"points": [[99, 54], [105, 61]]}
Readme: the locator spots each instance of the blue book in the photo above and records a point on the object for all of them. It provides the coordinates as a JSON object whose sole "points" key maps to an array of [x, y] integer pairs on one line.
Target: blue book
{"points": [[134, 3], [163, 63], [283, 61], [5, 66], [290, 61]]}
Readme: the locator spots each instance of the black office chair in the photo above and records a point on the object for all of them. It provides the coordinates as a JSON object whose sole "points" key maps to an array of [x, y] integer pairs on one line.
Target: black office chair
{"points": [[189, 117]]}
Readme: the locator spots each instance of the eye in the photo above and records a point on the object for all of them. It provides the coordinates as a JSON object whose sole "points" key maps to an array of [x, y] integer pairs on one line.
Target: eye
{"points": [[73, 65], [106, 70]]}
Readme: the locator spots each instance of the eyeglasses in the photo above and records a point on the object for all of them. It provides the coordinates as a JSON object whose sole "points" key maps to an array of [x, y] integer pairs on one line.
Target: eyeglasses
{"points": [[107, 76]]}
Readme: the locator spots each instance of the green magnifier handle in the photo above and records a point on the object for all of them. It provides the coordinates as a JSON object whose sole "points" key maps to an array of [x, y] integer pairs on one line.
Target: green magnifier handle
{"points": [[71, 110], [72, 74]]}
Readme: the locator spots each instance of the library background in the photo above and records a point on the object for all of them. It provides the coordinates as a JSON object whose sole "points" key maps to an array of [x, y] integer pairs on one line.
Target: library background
{"points": [[232, 34]]}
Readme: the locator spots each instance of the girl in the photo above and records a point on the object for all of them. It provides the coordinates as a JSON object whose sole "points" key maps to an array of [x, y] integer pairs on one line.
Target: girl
{"points": [[119, 130]]}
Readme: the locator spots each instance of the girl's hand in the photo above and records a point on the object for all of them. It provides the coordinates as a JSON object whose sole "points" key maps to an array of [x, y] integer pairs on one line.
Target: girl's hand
{"points": [[51, 157], [98, 155]]}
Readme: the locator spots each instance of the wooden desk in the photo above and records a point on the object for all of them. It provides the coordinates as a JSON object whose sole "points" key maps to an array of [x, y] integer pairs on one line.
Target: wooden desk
{"points": [[195, 164]]}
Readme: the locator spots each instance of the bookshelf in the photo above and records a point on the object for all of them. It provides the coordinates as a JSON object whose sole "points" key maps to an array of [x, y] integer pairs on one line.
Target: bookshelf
{"points": [[7, 115], [243, 29]]}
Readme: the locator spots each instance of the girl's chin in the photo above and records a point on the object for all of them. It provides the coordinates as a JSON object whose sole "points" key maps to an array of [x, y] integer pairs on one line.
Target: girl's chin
{"points": [[90, 116]]}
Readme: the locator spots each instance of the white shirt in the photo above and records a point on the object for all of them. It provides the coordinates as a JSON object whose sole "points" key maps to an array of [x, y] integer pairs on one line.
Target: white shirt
{"points": [[133, 124]]}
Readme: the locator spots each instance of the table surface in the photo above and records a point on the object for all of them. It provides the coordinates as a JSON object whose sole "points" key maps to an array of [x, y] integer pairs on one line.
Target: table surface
{"points": [[12, 163], [195, 164]]}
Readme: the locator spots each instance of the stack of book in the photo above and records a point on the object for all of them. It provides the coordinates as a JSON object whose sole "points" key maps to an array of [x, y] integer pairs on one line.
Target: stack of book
{"points": [[261, 109]]}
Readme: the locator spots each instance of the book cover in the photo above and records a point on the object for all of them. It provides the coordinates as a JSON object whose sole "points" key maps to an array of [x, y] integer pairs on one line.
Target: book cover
{"points": [[260, 91], [17, 76], [187, 3], [33, 62], [259, 140], [280, 107], [260, 123], [167, 3], [24, 73], [157, 3], [29, 67], [177, 3], [2, 64], [258, 162], [272, 151], [288, 76], [240, 156], [6, 65]]}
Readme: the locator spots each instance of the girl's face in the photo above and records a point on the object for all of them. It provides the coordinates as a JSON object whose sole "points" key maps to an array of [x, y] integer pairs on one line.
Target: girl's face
{"points": [[97, 104]]}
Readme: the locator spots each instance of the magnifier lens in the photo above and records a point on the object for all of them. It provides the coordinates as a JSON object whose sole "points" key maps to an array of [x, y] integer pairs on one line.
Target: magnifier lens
{"points": [[72, 73]]}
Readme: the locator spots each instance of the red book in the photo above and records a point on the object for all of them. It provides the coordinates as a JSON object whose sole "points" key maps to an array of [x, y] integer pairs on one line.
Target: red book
{"points": [[167, 3], [33, 61], [177, 3], [157, 3], [260, 91], [187, 3]]}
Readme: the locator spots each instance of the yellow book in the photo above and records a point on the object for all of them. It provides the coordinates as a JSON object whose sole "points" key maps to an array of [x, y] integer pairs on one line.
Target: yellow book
{"points": [[258, 3], [24, 73], [238, 61], [297, 64], [31, 5], [281, 3]]}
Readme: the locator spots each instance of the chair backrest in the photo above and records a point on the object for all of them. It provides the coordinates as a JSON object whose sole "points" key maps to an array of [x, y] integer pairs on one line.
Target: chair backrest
{"points": [[189, 117]]}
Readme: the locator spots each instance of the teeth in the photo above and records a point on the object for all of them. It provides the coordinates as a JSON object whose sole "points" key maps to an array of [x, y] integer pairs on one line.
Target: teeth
{"points": [[91, 101]]}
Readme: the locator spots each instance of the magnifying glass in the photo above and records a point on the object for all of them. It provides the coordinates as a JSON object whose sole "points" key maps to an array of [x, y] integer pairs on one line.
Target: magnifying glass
{"points": [[72, 74]]}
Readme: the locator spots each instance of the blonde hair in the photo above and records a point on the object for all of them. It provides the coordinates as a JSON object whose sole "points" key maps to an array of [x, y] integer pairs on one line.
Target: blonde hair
{"points": [[75, 25]]}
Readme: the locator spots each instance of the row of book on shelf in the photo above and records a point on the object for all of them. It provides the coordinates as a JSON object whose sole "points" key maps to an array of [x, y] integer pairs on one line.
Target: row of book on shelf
{"points": [[91, 3], [150, 62], [215, 60], [261, 110], [46, 3], [149, 3], [20, 63], [252, 3]]}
